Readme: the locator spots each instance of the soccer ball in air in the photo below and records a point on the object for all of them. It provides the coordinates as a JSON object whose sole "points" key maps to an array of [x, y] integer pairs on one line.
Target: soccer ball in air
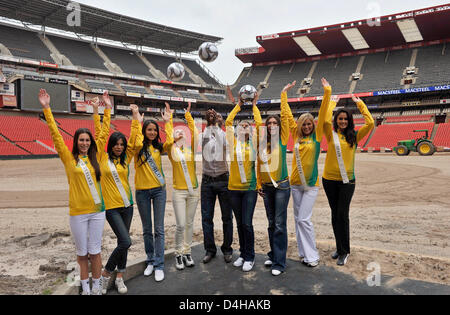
{"points": [[247, 93], [175, 71], [208, 52]]}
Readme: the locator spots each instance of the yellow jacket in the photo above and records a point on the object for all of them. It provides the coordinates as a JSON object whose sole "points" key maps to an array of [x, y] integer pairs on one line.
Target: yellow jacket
{"points": [[80, 197]]}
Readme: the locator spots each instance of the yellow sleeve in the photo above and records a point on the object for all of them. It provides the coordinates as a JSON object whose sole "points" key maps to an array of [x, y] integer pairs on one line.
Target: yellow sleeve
{"points": [[328, 122], [169, 135], [258, 175], [60, 146], [229, 125], [288, 123], [258, 123], [194, 131], [323, 113], [97, 125], [369, 122], [135, 137], [104, 133]]}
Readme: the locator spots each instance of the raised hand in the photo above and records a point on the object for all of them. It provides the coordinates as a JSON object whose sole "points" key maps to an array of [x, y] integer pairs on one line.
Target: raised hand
{"points": [[107, 100], [188, 109], [136, 116], [355, 98], [335, 98], [325, 83], [44, 99], [167, 113], [289, 86], [95, 103], [255, 100]]}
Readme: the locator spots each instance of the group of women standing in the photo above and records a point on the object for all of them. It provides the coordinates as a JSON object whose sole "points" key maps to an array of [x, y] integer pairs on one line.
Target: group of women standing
{"points": [[99, 181]]}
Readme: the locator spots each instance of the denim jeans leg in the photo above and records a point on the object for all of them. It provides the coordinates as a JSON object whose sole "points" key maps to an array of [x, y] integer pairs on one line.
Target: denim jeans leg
{"points": [[280, 238], [236, 198], [120, 221], [227, 217], [207, 203], [269, 204], [159, 208], [145, 211], [249, 203]]}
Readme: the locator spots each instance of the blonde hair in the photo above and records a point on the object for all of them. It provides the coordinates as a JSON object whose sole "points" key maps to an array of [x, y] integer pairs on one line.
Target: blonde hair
{"points": [[301, 120]]}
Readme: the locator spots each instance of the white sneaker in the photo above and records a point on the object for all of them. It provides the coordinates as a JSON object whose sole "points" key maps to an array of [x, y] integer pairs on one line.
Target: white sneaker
{"points": [[179, 262], [105, 284], [268, 263], [248, 265], [239, 262], [188, 261], [276, 272], [159, 275], [85, 293], [121, 288], [148, 271]]}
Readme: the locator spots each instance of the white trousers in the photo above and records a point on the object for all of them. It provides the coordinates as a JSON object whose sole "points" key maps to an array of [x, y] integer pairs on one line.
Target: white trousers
{"points": [[184, 206], [87, 232], [303, 205]]}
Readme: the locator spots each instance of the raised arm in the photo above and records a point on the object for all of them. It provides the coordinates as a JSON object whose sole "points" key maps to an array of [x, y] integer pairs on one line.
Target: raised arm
{"points": [[104, 133], [369, 122], [229, 123], [288, 123], [323, 109], [167, 117], [136, 135], [96, 117], [58, 140]]}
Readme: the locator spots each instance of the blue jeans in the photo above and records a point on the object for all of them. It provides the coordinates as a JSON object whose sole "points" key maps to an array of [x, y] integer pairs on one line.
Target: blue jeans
{"points": [[154, 246], [276, 201], [210, 190], [120, 222], [243, 204]]}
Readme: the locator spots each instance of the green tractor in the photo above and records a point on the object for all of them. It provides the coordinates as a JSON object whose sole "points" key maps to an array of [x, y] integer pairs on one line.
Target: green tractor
{"points": [[422, 145]]}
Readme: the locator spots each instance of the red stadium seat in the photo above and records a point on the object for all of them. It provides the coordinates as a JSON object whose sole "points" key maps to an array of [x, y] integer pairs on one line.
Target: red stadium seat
{"points": [[442, 137]]}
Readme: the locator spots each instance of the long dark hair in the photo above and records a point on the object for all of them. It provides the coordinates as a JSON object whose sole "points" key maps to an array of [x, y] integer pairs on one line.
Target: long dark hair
{"points": [[268, 135], [349, 132], [92, 152], [113, 139], [156, 143]]}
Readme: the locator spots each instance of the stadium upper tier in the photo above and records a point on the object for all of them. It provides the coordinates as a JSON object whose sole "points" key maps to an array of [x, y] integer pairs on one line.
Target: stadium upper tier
{"points": [[66, 51], [387, 70]]}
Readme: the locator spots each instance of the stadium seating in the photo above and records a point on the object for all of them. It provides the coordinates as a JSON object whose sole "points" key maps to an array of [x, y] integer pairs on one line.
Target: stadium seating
{"points": [[25, 128], [35, 148], [257, 75], [388, 135], [23, 43], [383, 71], [442, 137], [126, 60], [134, 88], [162, 63], [396, 119], [434, 67], [7, 149], [79, 53], [216, 97], [200, 72], [103, 85]]}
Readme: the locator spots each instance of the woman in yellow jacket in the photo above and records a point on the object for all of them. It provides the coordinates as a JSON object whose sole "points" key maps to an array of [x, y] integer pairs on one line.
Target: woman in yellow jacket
{"points": [[150, 185], [87, 208], [305, 174], [339, 172], [242, 183], [186, 192], [115, 168]]}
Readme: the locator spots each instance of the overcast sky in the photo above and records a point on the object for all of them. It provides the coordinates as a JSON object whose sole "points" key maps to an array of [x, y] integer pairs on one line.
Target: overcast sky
{"points": [[240, 21]]}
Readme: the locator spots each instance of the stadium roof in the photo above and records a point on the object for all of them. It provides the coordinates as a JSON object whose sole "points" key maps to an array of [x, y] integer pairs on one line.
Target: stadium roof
{"points": [[419, 26], [104, 24]]}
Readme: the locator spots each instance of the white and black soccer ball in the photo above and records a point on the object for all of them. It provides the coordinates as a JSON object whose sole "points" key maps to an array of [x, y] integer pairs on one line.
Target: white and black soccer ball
{"points": [[175, 71], [208, 52], [247, 92]]}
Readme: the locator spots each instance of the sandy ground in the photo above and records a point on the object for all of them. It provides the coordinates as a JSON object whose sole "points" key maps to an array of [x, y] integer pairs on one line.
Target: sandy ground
{"points": [[400, 219]]}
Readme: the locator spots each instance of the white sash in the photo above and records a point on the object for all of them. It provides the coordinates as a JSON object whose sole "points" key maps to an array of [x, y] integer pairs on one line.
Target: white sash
{"points": [[151, 162], [184, 166], [90, 182], [119, 185], [265, 164], [240, 162], [340, 158], [301, 174]]}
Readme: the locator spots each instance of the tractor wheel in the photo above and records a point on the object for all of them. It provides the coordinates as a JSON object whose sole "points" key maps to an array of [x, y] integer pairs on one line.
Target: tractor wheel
{"points": [[401, 150], [426, 148]]}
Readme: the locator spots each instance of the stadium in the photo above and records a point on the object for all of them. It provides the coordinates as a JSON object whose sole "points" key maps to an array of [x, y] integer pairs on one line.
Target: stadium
{"points": [[398, 64]]}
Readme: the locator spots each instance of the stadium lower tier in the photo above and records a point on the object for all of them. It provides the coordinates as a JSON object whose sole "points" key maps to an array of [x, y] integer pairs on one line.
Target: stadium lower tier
{"points": [[28, 136]]}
